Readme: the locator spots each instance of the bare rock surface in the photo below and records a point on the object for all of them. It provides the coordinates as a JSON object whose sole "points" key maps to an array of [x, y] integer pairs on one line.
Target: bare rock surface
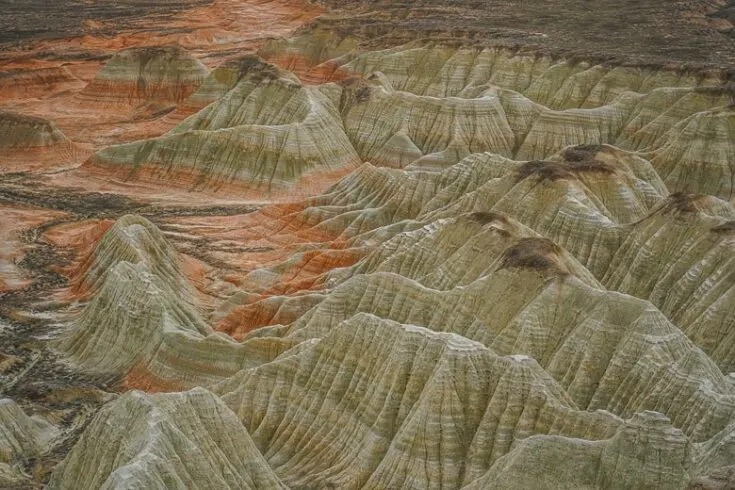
{"points": [[373, 245]]}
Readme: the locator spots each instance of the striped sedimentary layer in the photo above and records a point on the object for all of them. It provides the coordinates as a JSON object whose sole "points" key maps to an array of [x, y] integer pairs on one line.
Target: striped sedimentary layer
{"points": [[466, 349], [19, 131], [152, 74], [427, 107], [524, 285], [606, 207], [21, 439], [442, 101], [32, 143], [378, 404], [143, 316], [268, 132], [177, 440]]}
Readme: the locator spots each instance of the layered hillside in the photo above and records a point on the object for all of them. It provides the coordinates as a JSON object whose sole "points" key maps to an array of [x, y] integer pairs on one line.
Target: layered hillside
{"points": [[266, 132], [144, 315], [368, 246], [21, 439], [427, 107], [361, 409], [152, 74], [179, 440], [30, 143]]}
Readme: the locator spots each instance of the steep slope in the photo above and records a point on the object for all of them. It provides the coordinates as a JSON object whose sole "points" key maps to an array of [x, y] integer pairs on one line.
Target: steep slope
{"points": [[457, 262], [268, 132], [155, 74], [644, 453], [392, 386], [697, 154], [387, 387], [679, 256], [438, 104], [602, 347], [35, 144], [177, 440], [608, 208], [425, 106], [21, 438], [143, 316]]}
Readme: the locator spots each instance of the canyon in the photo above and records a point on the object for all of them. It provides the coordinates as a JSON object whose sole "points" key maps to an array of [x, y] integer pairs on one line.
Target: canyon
{"points": [[288, 244]]}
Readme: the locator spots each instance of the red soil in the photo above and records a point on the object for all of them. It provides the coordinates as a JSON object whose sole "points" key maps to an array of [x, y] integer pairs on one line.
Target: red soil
{"points": [[13, 221], [309, 184], [35, 82], [140, 378]]}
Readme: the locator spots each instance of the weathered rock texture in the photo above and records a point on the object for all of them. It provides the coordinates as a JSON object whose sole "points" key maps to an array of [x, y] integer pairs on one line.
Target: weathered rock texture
{"points": [[267, 132], [31, 143], [21, 438], [437, 265], [427, 107], [156, 74], [143, 315], [447, 103], [363, 408], [178, 440]]}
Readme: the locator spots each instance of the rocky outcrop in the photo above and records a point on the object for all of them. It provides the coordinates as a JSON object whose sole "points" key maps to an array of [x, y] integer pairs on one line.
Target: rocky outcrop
{"points": [[428, 107], [155, 74], [446, 103], [645, 452], [697, 154], [21, 438], [177, 440], [268, 132], [560, 322], [442, 104], [436, 265], [390, 387], [31, 143], [221, 80], [607, 207], [20, 131], [143, 317]]}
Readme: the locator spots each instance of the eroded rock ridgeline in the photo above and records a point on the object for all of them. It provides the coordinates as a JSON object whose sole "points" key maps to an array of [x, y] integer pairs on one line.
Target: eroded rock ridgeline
{"points": [[427, 107], [492, 271], [162, 74], [439, 271]]}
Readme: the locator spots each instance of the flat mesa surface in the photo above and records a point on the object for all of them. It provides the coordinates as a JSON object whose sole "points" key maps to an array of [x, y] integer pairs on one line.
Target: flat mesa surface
{"points": [[27, 20]]}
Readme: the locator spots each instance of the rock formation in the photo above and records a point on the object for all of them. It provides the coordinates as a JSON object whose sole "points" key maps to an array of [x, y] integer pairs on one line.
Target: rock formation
{"points": [[156, 74], [143, 316], [178, 440], [361, 407], [31, 143], [390, 246], [21, 438], [622, 461], [267, 132]]}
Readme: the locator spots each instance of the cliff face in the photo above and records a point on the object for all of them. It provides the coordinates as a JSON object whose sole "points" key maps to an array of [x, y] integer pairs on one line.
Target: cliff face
{"points": [[391, 246]]}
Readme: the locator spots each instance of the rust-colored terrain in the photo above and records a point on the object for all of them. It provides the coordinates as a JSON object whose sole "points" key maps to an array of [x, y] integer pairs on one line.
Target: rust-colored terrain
{"points": [[471, 235]]}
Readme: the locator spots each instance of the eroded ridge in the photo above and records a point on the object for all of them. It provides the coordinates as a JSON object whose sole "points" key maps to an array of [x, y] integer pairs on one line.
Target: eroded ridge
{"points": [[268, 131], [298, 263]]}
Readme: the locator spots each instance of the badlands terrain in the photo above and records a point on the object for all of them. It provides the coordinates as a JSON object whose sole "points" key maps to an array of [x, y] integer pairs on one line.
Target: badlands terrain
{"points": [[367, 244]]}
